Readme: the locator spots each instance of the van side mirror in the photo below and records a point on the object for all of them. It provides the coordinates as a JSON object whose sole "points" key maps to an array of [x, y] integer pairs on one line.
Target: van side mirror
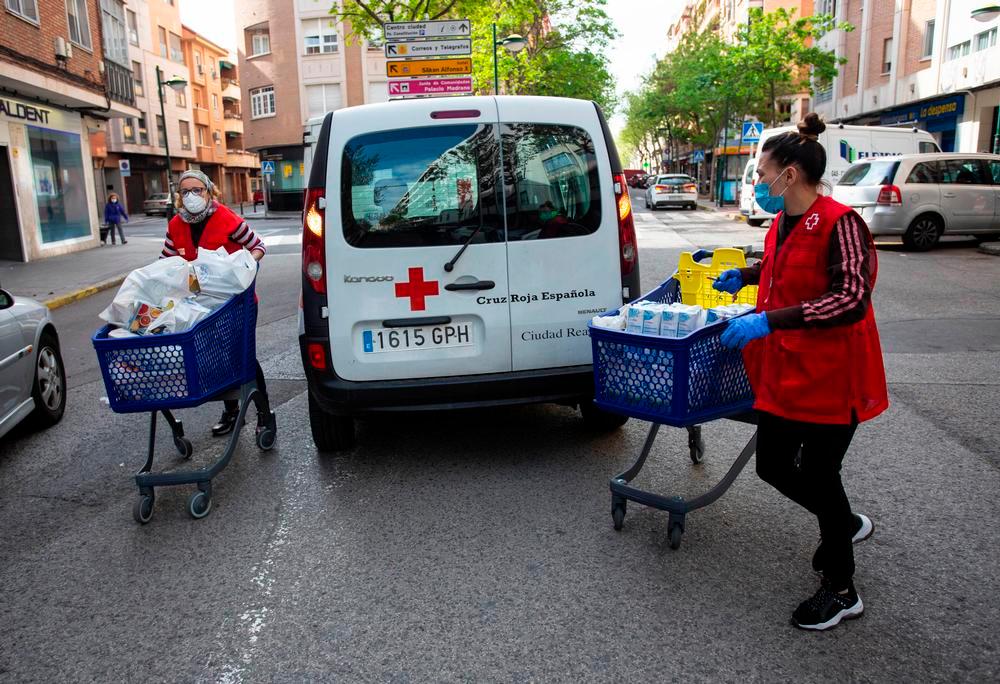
{"points": [[6, 300]]}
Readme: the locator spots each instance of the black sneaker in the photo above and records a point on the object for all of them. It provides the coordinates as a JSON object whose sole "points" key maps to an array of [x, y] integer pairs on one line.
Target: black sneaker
{"points": [[827, 608], [863, 530], [226, 423]]}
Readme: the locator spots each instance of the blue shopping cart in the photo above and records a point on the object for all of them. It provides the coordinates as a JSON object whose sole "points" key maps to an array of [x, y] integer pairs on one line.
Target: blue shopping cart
{"points": [[215, 360], [681, 382]]}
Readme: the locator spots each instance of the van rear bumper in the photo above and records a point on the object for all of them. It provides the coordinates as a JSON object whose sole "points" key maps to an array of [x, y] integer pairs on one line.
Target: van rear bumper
{"points": [[348, 398]]}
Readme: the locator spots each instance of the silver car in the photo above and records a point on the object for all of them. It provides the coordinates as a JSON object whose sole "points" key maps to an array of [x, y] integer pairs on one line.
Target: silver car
{"points": [[157, 203], [921, 196], [32, 377], [672, 190]]}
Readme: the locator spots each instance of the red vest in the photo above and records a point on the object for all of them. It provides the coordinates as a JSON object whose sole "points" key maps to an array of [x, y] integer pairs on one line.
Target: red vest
{"points": [[816, 375], [222, 224]]}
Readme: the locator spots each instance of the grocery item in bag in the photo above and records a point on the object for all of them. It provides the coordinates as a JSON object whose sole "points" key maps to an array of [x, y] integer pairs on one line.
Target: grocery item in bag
{"points": [[219, 273], [157, 284]]}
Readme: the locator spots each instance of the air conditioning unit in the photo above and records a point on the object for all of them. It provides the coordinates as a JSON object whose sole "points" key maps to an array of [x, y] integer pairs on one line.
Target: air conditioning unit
{"points": [[62, 49], [201, 70], [213, 74]]}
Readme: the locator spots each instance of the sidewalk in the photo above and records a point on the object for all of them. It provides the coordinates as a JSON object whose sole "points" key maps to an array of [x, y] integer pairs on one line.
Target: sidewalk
{"points": [[730, 210], [250, 213]]}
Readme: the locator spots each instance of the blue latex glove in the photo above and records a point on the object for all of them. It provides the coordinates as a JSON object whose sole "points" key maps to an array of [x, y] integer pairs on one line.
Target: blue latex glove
{"points": [[743, 329], [729, 281]]}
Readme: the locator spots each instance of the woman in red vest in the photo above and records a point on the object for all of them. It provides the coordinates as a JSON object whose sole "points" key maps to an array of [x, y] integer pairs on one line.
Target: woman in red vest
{"points": [[203, 221], [813, 354]]}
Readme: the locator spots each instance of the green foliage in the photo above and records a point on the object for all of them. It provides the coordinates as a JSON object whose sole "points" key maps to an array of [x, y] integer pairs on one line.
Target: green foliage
{"points": [[565, 41]]}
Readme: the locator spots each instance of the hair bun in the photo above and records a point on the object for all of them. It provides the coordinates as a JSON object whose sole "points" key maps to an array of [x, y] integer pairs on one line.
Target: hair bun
{"points": [[811, 126]]}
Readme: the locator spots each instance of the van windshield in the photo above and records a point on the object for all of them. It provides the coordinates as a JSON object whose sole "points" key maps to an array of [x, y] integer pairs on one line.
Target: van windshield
{"points": [[432, 186], [870, 173]]}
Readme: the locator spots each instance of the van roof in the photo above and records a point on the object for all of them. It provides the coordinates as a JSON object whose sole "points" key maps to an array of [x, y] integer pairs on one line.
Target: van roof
{"points": [[586, 107], [843, 127], [929, 156]]}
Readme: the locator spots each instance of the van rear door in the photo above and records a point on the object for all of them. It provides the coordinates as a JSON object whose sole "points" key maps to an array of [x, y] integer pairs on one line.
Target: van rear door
{"points": [[562, 228], [410, 183]]}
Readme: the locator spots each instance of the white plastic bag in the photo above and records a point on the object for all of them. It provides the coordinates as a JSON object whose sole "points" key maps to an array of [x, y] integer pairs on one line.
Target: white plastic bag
{"points": [[222, 274], [158, 283]]}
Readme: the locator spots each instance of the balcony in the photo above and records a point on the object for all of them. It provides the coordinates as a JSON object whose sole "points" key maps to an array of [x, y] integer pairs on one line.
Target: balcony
{"points": [[241, 159], [233, 124], [231, 89], [119, 83]]}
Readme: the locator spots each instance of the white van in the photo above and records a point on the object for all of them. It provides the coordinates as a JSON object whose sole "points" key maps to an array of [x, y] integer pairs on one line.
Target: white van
{"points": [[453, 253], [844, 145]]}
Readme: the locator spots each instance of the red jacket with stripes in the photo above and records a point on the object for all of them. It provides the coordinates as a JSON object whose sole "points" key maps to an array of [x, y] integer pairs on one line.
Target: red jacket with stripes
{"points": [[831, 375], [218, 233]]}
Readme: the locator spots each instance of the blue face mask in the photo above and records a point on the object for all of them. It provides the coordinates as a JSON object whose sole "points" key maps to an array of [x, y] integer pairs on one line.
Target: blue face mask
{"points": [[765, 200]]}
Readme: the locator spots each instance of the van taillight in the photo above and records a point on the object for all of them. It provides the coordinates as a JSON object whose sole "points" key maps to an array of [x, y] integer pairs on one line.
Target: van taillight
{"points": [[313, 249], [889, 194], [317, 356], [628, 250]]}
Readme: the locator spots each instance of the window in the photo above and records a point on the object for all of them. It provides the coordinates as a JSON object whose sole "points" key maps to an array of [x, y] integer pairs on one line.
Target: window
{"points": [[161, 132], [925, 172], [58, 170], [163, 41], [217, 137], [323, 98], [215, 105], [557, 192], [114, 31], [137, 78], [887, 56], [128, 129], [748, 178], [201, 135], [143, 131], [262, 102], [199, 69], [133, 28], [963, 172], [421, 187], [929, 38], [986, 39], [320, 36], [260, 43], [79, 23], [994, 168], [960, 50], [215, 71], [926, 147], [176, 53], [180, 98], [870, 173], [27, 9], [185, 135]]}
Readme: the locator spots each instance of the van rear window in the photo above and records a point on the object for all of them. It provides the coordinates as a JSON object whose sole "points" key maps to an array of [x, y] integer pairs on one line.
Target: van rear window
{"points": [[421, 187], [870, 173]]}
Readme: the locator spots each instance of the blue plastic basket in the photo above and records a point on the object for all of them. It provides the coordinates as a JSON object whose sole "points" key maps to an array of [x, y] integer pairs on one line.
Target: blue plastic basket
{"points": [[185, 369], [680, 382]]}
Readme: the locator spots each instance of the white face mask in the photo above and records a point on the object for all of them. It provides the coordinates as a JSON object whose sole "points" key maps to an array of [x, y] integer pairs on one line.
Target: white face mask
{"points": [[114, 201], [194, 203]]}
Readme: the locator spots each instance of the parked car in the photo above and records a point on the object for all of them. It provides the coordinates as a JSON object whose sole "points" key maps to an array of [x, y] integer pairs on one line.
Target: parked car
{"points": [[32, 377], [422, 291], [844, 145], [637, 180], [157, 203], [632, 174], [922, 196], [672, 190]]}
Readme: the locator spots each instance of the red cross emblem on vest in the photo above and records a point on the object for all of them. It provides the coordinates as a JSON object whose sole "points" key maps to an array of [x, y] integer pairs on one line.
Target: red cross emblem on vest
{"points": [[417, 289]]}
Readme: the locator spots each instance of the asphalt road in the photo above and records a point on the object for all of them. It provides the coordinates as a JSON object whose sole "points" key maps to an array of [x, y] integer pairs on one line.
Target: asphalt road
{"points": [[479, 546]]}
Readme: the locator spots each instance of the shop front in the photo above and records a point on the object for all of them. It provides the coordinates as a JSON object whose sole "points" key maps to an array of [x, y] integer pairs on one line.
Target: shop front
{"points": [[47, 174], [938, 117], [285, 185]]}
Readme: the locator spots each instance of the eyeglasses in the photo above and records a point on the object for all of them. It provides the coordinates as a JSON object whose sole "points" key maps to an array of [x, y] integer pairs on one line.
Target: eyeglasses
{"points": [[189, 191]]}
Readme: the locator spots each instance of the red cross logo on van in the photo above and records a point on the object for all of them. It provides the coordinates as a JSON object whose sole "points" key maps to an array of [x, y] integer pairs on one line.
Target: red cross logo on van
{"points": [[417, 289]]}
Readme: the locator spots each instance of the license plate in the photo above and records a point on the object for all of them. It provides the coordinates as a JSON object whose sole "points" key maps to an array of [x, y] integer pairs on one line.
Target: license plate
{"points": [[378, 340], [677, 197]]}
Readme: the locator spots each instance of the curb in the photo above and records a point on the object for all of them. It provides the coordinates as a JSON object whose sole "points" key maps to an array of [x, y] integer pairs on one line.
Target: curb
{"points": [[83, 293], [991, 248]]}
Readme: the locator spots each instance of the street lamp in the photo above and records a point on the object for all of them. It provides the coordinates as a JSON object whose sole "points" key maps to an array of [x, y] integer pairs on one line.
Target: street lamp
{"points": [[177, 84], [512, 44], [984, 14]]}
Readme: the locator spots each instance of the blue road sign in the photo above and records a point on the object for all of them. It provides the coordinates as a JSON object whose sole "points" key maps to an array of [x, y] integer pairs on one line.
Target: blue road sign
{"points": [[752, 131], [267, 167], [698, 157]]}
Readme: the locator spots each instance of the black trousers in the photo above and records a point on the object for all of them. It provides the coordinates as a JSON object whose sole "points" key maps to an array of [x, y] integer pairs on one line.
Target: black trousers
{"points": [[111, 232], [802, 461], [262, 403]]}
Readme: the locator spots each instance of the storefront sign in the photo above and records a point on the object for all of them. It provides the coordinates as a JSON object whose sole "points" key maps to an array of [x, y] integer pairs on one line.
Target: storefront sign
{"points": [[936, 110], [19, 110]]}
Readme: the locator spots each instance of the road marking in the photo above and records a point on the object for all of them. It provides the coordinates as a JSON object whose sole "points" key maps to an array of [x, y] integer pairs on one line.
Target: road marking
{"points": [[277, 240]]}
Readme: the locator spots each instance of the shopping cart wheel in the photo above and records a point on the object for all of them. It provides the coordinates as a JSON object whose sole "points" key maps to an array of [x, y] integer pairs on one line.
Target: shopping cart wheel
{"points": [[199, 505], [267, 435], [675, 536], [696, 444], [184, 447], [618, 514], [142, 511]]}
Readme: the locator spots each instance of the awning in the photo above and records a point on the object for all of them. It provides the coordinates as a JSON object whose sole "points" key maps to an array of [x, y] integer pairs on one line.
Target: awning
{"points": [[226, 64]]}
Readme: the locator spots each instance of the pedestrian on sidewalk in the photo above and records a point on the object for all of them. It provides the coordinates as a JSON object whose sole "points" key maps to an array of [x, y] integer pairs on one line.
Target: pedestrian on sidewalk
{"points": [[813, 355], [203, 221], [114, 212]]}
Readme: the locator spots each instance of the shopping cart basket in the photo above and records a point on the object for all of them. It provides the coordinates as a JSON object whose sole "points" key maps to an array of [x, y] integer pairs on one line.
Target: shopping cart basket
{"points": [[213, 361], [681, 382]]}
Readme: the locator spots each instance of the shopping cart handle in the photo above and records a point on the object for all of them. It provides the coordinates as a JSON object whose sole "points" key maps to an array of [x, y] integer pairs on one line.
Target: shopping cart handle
{"points": [[700, 254]]}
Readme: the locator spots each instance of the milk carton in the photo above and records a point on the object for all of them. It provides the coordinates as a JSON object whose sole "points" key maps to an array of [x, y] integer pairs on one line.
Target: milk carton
{"points": [[689, 319], [651, 319], [633, 317], [669, 320]]}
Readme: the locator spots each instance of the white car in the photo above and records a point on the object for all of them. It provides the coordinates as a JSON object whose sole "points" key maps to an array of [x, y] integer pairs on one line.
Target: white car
{"points": [[32, 378], [672, 190], [439, 273], [919, 197]]}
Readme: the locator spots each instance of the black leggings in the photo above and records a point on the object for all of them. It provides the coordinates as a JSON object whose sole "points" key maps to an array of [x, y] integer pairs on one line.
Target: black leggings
{"points": [[812, 480], [262, 402]]}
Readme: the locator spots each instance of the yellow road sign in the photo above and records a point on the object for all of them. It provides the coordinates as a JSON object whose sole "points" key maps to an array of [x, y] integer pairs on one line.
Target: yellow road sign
{"points": [[428, 67]]}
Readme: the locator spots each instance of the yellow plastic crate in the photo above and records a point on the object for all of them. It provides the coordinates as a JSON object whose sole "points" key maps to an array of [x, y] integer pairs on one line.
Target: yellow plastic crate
{"points": [[696, 279]]}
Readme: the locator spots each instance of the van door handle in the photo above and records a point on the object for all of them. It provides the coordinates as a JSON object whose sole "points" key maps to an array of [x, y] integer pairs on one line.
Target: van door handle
{"points": [[478, 285], [949, 195], [415, 322]]}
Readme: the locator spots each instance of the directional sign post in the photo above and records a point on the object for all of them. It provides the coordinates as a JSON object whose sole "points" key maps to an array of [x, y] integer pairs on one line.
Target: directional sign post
{"points": [[267, 168], [430, 86], [428, 48], [752, 131], [427, 29], [397, 68]]}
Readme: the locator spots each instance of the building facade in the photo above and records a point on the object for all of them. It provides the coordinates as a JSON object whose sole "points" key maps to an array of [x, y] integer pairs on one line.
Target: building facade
{"points": [[918, 63], [296, 66], [62, 78]]}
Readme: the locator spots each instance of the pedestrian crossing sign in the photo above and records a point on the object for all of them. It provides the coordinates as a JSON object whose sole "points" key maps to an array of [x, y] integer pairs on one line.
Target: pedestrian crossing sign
{"points": [[752, 131], [267, 167]]}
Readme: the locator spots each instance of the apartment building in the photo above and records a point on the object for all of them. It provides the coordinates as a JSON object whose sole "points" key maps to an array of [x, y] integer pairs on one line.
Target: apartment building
{"points": [[295, 66], [62, 78], [930, 65]]}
